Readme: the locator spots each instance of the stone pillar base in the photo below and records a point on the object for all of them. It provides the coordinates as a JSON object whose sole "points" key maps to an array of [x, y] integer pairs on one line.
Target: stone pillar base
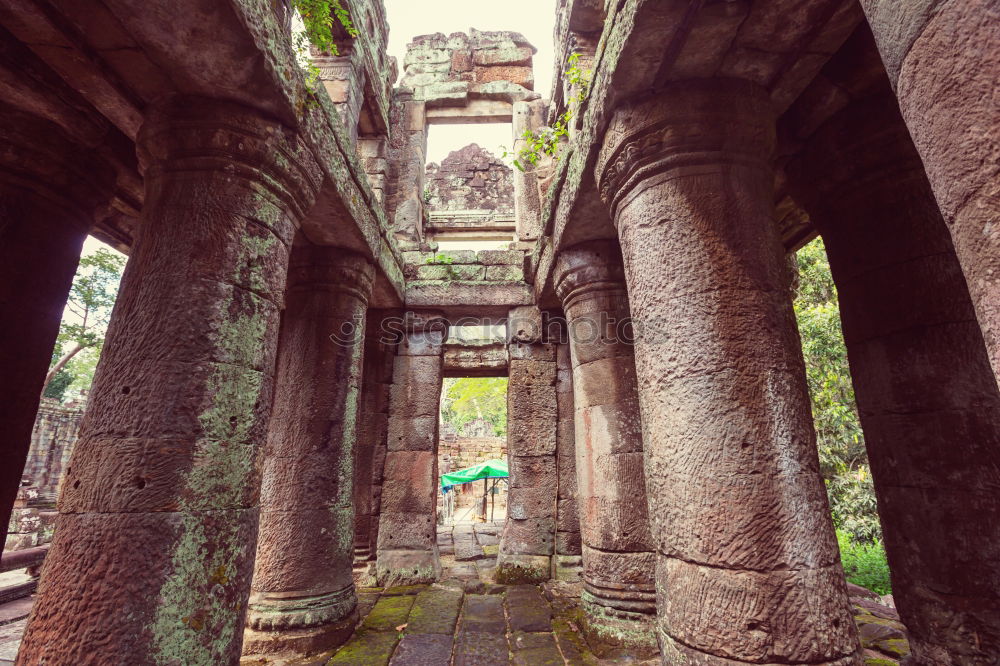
{"points": [[297, 642], [567, 567], [407, 567], [678, 653], [617, 629], [518, 568]]}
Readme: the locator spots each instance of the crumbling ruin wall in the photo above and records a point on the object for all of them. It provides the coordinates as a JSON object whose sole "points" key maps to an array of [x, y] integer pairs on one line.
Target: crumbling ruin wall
{"points": [[471, 178], [52, 439], [452, 69], [468, 451]]}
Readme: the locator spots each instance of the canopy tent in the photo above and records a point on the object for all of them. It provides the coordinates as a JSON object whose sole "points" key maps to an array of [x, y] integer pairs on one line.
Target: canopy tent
{"points": [[491, 469]]}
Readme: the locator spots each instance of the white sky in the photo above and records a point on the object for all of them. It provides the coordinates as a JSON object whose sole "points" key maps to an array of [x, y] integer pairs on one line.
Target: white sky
{"points": [[534, 19]]}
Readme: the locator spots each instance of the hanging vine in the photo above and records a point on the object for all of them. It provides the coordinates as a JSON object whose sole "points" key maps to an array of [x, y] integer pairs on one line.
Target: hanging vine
{"points": [[546, 140], [318, 18]]}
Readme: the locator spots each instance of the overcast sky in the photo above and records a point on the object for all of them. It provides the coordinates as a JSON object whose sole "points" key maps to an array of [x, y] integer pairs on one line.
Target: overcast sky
{"points": [[532, 18]]}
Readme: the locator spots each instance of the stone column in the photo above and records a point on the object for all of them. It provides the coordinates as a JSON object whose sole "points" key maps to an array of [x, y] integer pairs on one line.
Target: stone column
{"points": [[50, 189], [373, 427], [943, 59], [619, 596], [526, 543], [568, 561], [407, 531], [747, 563], [302, 597], [528, 117], [407, 164], [155, 541], [924, 387]]}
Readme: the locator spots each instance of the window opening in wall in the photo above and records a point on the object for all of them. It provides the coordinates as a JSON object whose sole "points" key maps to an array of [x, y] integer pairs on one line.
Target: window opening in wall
{"points": [[468, 187], [472, 451], [842, 454]]}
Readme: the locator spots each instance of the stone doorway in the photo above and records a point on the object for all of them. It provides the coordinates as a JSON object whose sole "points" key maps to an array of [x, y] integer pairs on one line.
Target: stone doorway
{"points": [[473, 431]]}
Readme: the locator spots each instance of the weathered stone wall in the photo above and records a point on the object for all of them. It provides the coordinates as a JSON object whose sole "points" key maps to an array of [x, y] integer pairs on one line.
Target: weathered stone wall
{"points": [[52, 440], [468, 451], [449, 70], [464, 265], [471, 178]]}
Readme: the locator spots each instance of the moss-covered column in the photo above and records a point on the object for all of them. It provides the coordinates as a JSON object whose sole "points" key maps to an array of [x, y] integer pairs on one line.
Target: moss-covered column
{"points": [[568, 561], [747, 563], [619, 597], [373, 425], [302, 598], [407, 532], [50, 190], [154, 545], [924, 387], [527, 540]]}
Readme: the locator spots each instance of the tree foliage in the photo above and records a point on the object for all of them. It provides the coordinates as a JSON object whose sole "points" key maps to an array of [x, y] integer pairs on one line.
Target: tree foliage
{"points": [[469, 398], [85, 320], [843, 459]]}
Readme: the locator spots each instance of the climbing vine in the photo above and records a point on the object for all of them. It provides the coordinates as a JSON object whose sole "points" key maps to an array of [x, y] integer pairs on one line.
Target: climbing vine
{"points": [[318, 18], [546, 140]]}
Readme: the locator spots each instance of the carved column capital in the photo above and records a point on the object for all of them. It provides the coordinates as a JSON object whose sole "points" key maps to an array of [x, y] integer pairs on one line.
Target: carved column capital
{"points": [[200, 134], [686, 126], [331, 269], [587, 269]]}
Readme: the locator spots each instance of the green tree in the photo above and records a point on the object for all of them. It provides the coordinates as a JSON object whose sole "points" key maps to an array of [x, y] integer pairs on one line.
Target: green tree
{"points": [[85, 321], [842, 454], [56, 388], [469, 398]]}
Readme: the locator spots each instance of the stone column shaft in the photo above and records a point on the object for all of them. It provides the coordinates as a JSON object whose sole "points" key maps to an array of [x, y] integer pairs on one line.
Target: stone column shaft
{"points": [[302, 597], [407, 531], [49, 192], [154, 545], [923, 382], [943, 59], [619, 595], [568, 561], [526, 543], [747, 563], [373, 427]]}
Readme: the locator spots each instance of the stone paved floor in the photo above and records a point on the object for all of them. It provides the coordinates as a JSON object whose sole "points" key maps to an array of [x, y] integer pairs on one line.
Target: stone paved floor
{"points": [[467, 620]]}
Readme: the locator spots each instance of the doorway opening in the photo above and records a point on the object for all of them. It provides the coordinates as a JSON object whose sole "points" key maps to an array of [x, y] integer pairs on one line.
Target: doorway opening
{"points": [[472, 451]]}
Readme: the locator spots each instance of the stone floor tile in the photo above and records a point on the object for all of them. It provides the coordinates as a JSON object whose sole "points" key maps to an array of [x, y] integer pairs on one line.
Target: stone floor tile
{"points": [[474, 648], [423, 650], [371, 648], [434, 611], [388, 613], [527, 609], [483, 613], [401, 590]]}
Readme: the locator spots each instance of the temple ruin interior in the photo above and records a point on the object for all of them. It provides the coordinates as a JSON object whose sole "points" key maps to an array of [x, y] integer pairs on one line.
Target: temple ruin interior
{"points": [[550, 403]]}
